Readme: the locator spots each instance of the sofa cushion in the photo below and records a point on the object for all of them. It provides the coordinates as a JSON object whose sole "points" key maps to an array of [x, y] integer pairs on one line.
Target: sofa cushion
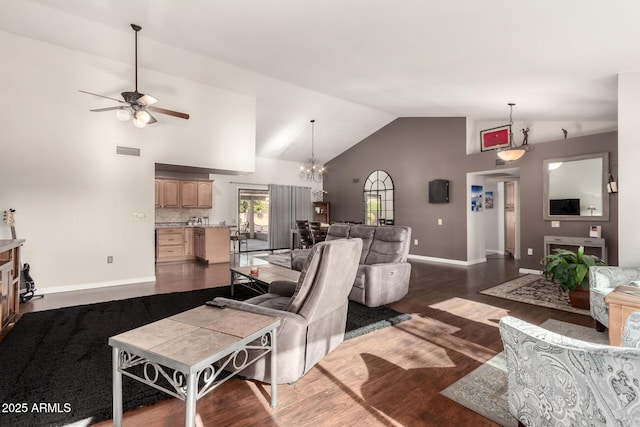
{"points": [[366, 233], [389, 245], [338, 231]]}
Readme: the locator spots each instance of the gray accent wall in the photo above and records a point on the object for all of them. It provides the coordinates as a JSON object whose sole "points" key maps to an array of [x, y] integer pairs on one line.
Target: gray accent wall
{"points": [[415, 151]]}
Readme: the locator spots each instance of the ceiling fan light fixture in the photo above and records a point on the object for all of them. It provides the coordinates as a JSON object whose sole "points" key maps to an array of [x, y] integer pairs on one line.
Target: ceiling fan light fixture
{"points": [[123, 114], [143, 116], [136, 103], [139, 123]]}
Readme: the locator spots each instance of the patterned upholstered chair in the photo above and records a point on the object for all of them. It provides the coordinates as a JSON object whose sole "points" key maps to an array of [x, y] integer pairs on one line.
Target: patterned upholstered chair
{"points": [[554, 380], [603, 280]]}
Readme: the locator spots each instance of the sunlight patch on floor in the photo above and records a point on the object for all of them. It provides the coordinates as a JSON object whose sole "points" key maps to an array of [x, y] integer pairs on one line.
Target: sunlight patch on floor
{"points": [[472, 310], [441, 334]]}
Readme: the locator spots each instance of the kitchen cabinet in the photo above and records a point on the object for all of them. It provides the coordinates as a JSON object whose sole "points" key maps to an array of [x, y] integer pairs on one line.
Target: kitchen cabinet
{"points": [[205, 194], [174, 244], [188, 194], [167, 193], [158, 193], [188, 242], [170, 244], [212, 244]]}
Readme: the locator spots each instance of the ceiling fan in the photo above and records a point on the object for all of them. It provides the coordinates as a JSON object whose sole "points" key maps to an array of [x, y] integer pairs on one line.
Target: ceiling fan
{"points": [[137, 105]]}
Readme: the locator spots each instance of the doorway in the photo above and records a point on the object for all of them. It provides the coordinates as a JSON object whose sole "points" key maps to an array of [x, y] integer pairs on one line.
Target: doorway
{"points": [[253, 217], [495, 228]]}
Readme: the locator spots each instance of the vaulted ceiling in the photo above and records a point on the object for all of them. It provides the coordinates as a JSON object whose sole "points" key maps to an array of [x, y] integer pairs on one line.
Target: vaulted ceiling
{"points": [[355, 65]]}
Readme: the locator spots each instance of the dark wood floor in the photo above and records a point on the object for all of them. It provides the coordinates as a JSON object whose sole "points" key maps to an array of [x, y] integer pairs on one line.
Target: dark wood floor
{"points": [[389, 377]]}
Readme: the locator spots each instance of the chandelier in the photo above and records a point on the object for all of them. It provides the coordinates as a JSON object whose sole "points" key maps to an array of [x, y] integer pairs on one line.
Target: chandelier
{"points": [[312, 170], [512, 151]]}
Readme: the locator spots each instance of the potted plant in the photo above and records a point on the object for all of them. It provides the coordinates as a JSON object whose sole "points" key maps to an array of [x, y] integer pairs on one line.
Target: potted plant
{"points": [[570, 270]]}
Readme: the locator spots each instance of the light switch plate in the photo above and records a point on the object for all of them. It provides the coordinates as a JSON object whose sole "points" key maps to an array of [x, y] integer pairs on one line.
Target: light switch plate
{"points": [[555, 224]]}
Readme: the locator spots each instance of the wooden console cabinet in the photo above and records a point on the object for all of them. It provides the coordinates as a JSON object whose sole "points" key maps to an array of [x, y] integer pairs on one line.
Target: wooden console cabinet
{"points": [[623, 301], [321, 212], [10, 267], [587, 242]]}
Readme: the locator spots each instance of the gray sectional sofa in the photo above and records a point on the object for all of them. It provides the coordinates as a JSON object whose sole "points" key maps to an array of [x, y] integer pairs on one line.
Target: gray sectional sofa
{"points": [[383, 272]]}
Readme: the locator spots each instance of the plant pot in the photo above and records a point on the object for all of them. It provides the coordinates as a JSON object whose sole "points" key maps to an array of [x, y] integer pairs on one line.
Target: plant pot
{"points": [[579, 299]]}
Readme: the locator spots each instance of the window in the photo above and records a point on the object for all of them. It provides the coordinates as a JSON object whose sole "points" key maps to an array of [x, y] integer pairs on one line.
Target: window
{"points": [[378, 199]]}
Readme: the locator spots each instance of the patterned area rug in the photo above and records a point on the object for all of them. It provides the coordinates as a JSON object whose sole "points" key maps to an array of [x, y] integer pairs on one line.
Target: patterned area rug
{"points": [[536, 290], [484, 390], [282, 259]]}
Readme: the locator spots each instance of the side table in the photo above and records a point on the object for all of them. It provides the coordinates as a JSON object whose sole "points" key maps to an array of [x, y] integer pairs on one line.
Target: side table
{"points": [[622, 301], [184, 355]]}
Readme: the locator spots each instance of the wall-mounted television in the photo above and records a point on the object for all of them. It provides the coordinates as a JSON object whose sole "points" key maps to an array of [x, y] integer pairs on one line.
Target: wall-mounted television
{"points": [[564, 207]]}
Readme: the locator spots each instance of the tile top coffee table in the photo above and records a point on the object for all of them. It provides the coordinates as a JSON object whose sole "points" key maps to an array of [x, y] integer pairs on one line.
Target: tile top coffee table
{"points": [[184, 355], [267, 273], [622, 301]]}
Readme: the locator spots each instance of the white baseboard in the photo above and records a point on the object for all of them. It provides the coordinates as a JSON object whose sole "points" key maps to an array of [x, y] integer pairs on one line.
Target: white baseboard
{"points": [[446, 260], [528, 271], [95, 285]]}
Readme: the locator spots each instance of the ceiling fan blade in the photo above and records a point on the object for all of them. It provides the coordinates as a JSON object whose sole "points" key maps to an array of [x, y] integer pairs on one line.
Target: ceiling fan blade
{"points": [[147, 100], [102, 96], [152, 120], [97, 110], [169, 112]]}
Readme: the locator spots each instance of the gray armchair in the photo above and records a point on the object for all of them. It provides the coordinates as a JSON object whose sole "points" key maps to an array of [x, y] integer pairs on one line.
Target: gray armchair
{"points": [[555, 380], [603, 280], [313, 310]]}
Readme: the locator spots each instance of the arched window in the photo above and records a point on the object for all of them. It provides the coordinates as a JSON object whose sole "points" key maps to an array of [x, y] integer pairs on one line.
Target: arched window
{"points": [[378, 199]]}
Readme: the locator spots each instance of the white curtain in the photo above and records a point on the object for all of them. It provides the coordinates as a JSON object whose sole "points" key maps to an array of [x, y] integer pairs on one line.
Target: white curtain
{"points": [[287, 203]]}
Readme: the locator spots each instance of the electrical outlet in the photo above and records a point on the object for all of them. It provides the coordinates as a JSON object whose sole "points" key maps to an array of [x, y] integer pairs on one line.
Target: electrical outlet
{"points": [[415, 242], [109, 259], [439, 221], [555, 224], [530, 251]]}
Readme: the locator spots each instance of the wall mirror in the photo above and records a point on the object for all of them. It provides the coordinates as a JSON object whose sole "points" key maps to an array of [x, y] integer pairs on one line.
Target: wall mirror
{"points": [[574, 188]]}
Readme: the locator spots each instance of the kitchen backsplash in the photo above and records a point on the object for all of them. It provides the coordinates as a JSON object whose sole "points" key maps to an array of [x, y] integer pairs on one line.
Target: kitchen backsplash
{"points": [[180, 215]]}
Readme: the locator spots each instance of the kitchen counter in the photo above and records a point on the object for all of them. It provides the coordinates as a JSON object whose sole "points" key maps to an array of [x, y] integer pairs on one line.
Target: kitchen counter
{"points": [[183, 224]]}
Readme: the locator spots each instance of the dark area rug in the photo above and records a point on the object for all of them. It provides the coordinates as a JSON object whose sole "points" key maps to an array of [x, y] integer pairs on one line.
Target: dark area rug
{"points": [[55, 365]]}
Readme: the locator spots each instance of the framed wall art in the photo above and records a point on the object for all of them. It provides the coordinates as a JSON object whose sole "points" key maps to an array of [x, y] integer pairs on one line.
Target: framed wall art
{"points": [[476, 198], [488, 199], [495, 138]]}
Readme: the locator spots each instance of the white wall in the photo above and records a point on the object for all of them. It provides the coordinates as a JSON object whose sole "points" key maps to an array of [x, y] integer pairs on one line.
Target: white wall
{"points": [[627, 172], [476, 236], [75, 197], [492, 242]]}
